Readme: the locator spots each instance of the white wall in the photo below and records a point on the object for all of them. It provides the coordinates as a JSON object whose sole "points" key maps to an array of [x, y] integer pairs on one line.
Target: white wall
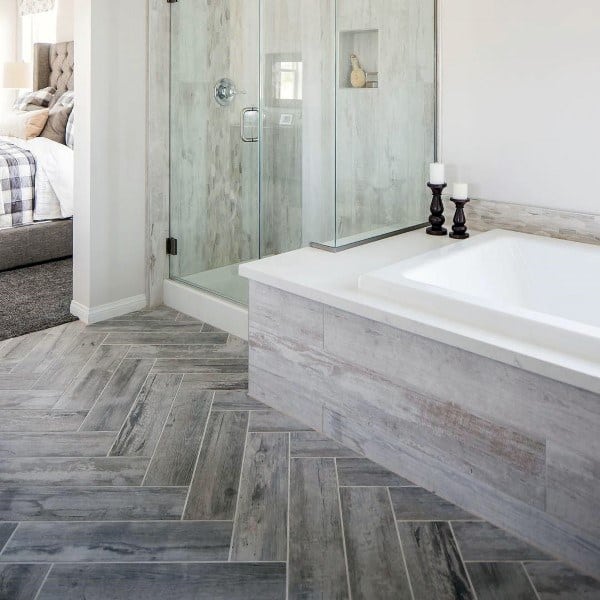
{"points": [[65, 20], [110, 156], [8, 44], [521, 99]]}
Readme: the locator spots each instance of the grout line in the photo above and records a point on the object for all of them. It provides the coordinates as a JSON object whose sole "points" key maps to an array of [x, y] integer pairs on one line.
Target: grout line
{"points": [[43, 582], [339, 497], [462, 560], [112, 375], [162, 431], [10, 537], [289, 486], [410, 587], [237, 500], [537, 595], [151, 562], [189, 487]]}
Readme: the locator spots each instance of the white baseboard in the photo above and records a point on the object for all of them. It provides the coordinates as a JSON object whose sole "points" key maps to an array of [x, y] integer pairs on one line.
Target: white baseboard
{"points": [[108, 311], [205, 307]]}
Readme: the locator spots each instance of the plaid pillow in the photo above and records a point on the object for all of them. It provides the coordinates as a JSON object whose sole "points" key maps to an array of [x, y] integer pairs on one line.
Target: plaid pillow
{"points": [[35, 100], [67, 99], [70, 131]]}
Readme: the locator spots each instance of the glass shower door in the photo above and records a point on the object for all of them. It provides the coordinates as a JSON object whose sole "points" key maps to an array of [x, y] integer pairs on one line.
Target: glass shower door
{"points": [[214, 153]]}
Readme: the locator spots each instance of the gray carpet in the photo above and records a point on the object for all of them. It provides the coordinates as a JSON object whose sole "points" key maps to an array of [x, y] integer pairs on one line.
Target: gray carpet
{"points": [[35, 298]]}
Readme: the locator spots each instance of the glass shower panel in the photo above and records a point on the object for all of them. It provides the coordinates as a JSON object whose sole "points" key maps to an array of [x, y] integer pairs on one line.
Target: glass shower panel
{"points": [[214, 143], [298, 123], [385, 115]]}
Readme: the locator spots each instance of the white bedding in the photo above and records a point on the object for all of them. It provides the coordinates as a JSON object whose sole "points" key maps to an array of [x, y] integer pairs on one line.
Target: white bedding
{"points": [[53, 180]]}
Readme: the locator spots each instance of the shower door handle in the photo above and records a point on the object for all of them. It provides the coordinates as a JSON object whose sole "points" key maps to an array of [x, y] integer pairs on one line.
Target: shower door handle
{"points": [[245, 112]]}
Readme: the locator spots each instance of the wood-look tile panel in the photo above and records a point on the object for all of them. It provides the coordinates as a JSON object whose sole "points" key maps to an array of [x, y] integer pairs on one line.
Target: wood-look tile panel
{"points": [[34, 421], [113, 405], [214, 488], [236, 400], [192, 581], [72, 471], [417, 504], [260, 532], [176, 453], [144, 424], [273, 420], [90, 503], [364, 472], [557, 581], [434, 564], [21, 582], [317, 567], [28, 399], [218, 381], [310, 443], [123, 541], [501, 581], [160, 338], [375, 563], [47, 444]]}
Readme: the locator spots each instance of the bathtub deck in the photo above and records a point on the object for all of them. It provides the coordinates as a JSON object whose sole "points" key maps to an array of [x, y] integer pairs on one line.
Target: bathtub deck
{"points": [[134, 465]]}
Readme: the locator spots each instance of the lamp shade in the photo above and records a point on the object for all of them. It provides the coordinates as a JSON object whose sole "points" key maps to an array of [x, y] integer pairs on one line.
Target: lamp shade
{"points": [[17, 75]]}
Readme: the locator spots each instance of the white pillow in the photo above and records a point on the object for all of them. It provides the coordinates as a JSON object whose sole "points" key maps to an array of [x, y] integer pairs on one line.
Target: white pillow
{"points": [[23, 124]]}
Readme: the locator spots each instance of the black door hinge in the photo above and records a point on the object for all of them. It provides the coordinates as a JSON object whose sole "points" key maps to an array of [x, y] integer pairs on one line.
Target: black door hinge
{"points": [[171, 246]]}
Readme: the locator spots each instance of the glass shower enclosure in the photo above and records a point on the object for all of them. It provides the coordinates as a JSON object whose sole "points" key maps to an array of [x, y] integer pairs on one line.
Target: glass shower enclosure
{"points": [[296, 123]]}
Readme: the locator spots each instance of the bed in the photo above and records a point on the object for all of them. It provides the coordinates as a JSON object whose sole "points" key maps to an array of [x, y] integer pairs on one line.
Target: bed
{"points": [[44, 231]]}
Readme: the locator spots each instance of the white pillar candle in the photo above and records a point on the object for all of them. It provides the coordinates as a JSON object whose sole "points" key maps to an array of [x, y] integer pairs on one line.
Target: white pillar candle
{"points": [[461, 191], [437, 174]]}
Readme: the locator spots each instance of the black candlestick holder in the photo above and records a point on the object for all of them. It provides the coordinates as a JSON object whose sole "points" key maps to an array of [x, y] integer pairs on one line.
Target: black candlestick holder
{"points": [[437, 218], [459, 229]]}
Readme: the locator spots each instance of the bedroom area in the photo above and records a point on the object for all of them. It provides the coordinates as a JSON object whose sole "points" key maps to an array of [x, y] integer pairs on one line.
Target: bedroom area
{"points": [[37, 141]]}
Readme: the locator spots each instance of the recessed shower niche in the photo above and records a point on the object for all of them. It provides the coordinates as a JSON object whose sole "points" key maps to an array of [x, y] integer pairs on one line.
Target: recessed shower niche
{"points": [[364, 45]]}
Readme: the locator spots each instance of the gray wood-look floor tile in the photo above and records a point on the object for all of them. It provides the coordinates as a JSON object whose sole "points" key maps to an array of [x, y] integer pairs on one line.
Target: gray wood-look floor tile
{"points": [[181, 541], [21, 582], [160, 313], [34, 421], [90, 503], [434, 565], [214, 487], [317, 566], [91, 381], [219, 381], [213, 351], [273, 420], [235, 400], [18, 348], [310, 443], [261, 523], [557, 581], [90, 443], [144, 424], [482, 542], [28, 399], [177, 450], [501, 581], [120, 471], [363, 472], [375, 564], [54, 344], [162, 338], [63, 369], [172, 329], [189, 581], [201, 365], [113, 405], [6, 530], [417, 504], [17, 381]]}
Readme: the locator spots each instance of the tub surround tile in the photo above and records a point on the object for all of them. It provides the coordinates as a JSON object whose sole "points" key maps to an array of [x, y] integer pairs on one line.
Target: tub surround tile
{"points": [[484, 215], [485, 448]]}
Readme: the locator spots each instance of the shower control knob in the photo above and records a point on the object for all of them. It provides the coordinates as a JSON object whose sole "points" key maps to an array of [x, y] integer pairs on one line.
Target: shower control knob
{"points": [[226, 91]]}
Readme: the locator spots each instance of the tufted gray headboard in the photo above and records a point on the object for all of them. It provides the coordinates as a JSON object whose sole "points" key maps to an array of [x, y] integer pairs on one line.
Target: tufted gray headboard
{"points": [[53, 65]]}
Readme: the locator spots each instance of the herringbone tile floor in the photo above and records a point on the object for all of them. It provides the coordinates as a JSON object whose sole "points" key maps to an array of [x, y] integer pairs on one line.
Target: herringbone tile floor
{"points": [[134, 465]]}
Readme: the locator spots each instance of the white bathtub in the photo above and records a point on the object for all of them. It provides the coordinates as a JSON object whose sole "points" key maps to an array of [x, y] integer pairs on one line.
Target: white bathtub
{"points": [[540, 290]]}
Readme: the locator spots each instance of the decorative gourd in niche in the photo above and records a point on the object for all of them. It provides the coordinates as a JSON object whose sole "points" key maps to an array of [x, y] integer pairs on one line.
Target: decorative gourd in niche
{"points": [[358, 78]]}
